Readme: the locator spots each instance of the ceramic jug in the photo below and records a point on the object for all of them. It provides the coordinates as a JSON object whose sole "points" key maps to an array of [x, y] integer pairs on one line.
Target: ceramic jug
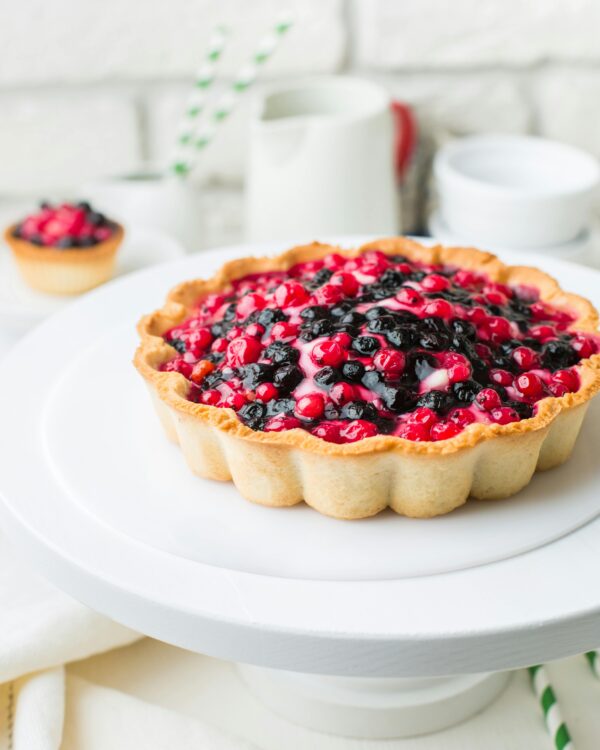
{"points": [[321, 162]]}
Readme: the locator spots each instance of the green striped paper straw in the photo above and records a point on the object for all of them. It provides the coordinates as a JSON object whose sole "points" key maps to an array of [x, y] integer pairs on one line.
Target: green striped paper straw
{"points": [[227, 102], [554, 722], [204, 80], [593, 658]]}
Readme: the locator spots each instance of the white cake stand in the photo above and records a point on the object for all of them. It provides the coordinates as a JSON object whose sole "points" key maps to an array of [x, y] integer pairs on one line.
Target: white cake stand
{"points": [[379, 628]]}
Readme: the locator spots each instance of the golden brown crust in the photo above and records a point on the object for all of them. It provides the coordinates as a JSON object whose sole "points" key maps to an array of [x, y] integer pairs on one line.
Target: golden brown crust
{"points": [[25, 249], [170, 388], [68, 270]]}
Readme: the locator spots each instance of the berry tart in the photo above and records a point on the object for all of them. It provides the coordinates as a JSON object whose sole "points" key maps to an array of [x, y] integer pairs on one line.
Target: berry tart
{"points": [[396, 375], [65, 249]]}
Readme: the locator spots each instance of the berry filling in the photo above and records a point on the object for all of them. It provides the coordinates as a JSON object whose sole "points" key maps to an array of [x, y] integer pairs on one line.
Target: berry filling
{"points": [[349, 348], [65, 226]]}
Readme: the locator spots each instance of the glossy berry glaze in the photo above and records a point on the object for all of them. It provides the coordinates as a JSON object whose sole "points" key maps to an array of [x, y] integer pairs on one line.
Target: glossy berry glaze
{"points": [[348, 348], [65, 226]]}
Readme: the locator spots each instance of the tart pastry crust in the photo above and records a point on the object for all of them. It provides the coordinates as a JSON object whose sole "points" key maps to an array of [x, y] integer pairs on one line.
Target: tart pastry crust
{"points": [[65, 271], [360, 479]]}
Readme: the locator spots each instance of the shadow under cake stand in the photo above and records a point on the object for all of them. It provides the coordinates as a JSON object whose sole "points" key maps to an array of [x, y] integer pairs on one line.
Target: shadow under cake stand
{"points": [[377, 628]]}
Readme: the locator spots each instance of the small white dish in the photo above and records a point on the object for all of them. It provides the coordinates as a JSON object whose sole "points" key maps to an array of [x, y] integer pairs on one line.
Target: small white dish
{"points": [[515, 191], [578, 250], [22, 307]]}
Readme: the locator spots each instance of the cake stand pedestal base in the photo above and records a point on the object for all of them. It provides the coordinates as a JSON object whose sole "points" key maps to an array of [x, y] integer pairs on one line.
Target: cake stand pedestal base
{"points": [[373, 708]]}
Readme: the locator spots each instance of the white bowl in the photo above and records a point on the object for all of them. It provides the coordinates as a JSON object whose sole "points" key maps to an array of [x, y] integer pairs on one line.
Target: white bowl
{"points": [[515, 191]]}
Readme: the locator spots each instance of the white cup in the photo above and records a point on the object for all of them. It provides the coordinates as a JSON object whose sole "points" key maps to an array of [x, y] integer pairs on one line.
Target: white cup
{"points": [[321, 162], [167, 204], [515, 191]]}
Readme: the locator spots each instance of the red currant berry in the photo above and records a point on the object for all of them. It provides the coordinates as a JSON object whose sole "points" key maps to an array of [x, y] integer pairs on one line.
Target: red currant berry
{"points": [[358, 429], [329, 294], [343, 339], [284, 331], [408, 296], [347, 281], [389, 361], [328, 352], [435, 283], [461, 416], [242, 351], [281, 423], [504, 415], [501, 377], [584, 346], [249, 304], [529, 385], [438, 308], [211, 397], [525, 358], [329, 431], [255, 330], [487, 399], [567, 378], [266, 392], [444, 430], [342, 393], [310, 406], [234, 401], [290, 294]]}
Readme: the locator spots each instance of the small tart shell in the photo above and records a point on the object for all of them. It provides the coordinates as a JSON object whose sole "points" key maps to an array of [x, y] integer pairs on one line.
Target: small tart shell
{"points": [[356, 480], [69, 271]]}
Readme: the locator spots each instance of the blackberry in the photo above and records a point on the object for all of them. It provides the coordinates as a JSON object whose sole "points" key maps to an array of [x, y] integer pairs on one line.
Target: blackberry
{"points": [[269, 316], [281, 406], [435, 324], [421, 364], [353, 318], [230, 312], [288, 377], [556, 355], [392, 279], [523, 410], [281, 353], [439, 401], [212, 380], [465, 391], [331, 411], [339, 310], [382, 324], [365, 345], [314, 313], [178, 345], [464, 328], [253, 415], [256, 373], [434, 340], [397, 398], [214, 357], [326, 377], [359, 410], [376, 312], [353, 371], [321, 277], [401, 337], [321, 328]]}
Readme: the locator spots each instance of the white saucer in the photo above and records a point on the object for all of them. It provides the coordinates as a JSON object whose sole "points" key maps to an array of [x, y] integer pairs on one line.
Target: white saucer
{"points": [[94, 493], [22, 307], [576, 251]]}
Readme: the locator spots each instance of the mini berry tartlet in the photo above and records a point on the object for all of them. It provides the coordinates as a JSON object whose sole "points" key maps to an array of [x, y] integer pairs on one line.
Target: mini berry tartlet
{"points": [[65, 249], [396, 375]]}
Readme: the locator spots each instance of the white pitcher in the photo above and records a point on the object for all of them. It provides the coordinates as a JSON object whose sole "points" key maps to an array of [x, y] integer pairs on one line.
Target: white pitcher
{"points": [[321, 162]]}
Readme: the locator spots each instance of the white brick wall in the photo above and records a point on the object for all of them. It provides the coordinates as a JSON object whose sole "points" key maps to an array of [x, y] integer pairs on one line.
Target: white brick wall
{"points": [[90, 87], [50, 142], [82, 41], [396, 34]]}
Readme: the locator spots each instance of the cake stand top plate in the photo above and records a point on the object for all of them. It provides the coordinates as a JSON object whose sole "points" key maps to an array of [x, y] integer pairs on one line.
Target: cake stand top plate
{"points": [[408, 620]]}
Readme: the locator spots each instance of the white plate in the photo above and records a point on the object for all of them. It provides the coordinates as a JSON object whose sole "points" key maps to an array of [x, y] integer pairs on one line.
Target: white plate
{"points": [[210, 522], [21, 307], [93, 491]]}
